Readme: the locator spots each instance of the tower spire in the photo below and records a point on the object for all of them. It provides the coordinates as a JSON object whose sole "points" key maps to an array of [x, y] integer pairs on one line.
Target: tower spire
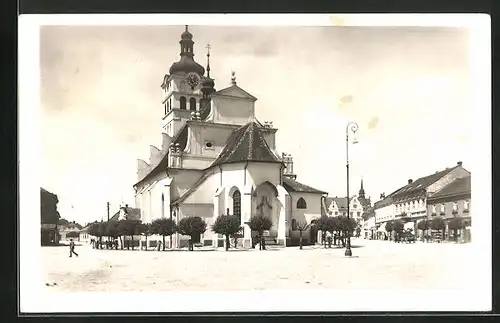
{"points": [[208, 59], [361, 192]]}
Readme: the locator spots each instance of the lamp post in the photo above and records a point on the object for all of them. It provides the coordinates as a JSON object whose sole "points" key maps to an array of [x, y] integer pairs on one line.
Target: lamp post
{"points": [[351, 127]]}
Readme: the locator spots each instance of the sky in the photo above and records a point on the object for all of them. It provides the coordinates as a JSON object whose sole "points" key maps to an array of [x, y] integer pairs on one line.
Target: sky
{"points": [[408, 88]]}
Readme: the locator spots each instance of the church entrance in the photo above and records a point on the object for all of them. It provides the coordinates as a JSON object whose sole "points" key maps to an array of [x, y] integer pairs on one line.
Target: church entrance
{"points": [[265, 203]]}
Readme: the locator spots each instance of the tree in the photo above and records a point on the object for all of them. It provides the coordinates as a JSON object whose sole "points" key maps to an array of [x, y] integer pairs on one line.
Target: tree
{"points": [[456, 224], [163, 227], [438, 223], [323, 225], [145, 229], [130, 228], [347, 227], [424, 226], [192, 226], [301, 226], [98, 229], [333, 224], [398, 227], [48, 207], [228, 225], [260, 224], [113, 230], [389, 228]]}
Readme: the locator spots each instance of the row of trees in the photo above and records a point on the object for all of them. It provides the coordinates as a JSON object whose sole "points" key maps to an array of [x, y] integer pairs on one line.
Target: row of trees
{"points": [[194, 226], [340, 225], [436, 223]]}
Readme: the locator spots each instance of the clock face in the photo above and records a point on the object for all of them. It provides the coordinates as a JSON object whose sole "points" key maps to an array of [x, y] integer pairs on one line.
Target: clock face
{"points": [[193, 80]]}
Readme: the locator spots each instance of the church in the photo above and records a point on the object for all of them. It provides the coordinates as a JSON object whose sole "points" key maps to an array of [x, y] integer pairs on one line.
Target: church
{"points": [[217, 158]]}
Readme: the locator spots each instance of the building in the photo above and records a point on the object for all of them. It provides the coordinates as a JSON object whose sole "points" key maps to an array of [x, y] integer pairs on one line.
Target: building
{"points": [[68, 231], [384, 212], [216, 157], [410, 202], [453, 201], [368, 227], [336, 206], [49, 217]]}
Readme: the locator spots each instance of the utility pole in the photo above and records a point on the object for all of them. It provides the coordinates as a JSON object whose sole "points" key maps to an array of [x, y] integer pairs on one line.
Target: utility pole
{"points": [[107, 204]]}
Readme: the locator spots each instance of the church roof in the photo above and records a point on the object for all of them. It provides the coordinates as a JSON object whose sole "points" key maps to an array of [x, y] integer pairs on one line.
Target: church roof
{"points": [[292, 185], [246, 144]]}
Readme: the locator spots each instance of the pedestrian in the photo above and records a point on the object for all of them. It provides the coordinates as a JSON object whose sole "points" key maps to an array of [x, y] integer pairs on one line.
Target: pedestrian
{"points": [[335, 239], [116, 244], [159, 245], [72, 248]]}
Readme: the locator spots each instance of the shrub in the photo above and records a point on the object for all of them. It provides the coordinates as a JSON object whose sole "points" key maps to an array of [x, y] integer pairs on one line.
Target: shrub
{"points": [[228, 225], [192, 226], [163, 227]]}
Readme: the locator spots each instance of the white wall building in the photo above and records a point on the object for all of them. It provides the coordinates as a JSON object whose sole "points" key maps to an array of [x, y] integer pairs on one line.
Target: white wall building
{"points": [[217, 157]]}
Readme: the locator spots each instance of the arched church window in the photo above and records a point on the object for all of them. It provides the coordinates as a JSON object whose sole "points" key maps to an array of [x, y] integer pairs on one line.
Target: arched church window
{"points": [[301, 204], [237, 203], [294, 224], [192, 104], [182, 101]]}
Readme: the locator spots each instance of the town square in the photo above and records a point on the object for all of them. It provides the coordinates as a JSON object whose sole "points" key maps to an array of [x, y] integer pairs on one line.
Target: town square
{"points": [[201, 158]]}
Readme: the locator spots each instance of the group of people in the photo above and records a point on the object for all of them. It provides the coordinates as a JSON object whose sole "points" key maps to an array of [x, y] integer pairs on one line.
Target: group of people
{"points": [[109, 244]]}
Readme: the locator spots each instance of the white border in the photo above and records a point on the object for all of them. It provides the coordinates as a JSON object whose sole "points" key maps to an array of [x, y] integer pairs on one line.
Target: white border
{"points": [[33, 299]]}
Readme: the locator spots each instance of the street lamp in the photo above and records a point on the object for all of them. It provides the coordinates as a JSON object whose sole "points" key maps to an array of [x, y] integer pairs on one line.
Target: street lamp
{"points": [[353, 127]]}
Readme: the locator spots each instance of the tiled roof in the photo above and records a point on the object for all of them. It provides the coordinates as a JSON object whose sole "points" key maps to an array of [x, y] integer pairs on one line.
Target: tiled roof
{"points": [[246, 144], [293, 186], [459, 186], [131, 214], [421, 183]]}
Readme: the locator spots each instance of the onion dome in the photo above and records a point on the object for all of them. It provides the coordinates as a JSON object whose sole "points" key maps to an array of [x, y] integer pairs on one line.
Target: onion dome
{"points": [[207, 82], [186, 64]]}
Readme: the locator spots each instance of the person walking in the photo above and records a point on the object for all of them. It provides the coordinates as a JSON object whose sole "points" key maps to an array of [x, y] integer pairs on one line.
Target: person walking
{"points": [[72, 248]]}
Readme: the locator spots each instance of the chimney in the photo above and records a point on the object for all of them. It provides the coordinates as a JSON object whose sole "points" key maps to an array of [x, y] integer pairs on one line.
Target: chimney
{"points": [[382, 196], [459, 163], [410, 181], [126, 206]]}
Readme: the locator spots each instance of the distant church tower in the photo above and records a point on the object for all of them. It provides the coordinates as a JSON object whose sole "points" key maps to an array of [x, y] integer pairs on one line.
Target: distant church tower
{"points": [[361, 193]]}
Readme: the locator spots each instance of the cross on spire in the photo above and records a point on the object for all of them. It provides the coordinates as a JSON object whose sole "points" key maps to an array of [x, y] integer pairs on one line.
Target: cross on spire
{"points": [[233, 77], [208, 59]]}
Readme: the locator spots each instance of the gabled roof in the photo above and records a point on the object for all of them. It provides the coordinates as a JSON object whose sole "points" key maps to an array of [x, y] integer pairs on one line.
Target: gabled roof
{"points": [[246, 144], [130, 213], [235, 89], [293, 186], [422, 183], [459, 187]]}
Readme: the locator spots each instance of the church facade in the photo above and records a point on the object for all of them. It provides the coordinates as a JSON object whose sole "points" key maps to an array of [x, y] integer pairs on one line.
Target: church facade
{"points": [[217, 158]]}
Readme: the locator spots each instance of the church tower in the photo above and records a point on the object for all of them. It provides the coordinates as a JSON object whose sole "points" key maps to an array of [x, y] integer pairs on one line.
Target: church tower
{"points": [[361, 193], [182, 87]]}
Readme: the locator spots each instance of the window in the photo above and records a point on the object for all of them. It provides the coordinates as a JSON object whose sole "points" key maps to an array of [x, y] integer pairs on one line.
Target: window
{"points": [[294, 224], [359, 214], [336, 212], [442, 208], [192, 104], [466, 205], [433, 209], [166, 108], [301, 204], [183, 102], [237, 203], [209, 145], [455, 206], [352, 214]]}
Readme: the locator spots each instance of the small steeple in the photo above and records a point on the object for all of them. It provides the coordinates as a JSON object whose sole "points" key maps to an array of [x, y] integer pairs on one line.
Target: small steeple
{"points": [[361, 192], [233, 77], [208, 60]]}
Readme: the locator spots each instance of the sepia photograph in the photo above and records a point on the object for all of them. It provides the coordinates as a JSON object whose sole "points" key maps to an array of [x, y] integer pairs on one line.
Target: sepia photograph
{"points": [[330, 162]]}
